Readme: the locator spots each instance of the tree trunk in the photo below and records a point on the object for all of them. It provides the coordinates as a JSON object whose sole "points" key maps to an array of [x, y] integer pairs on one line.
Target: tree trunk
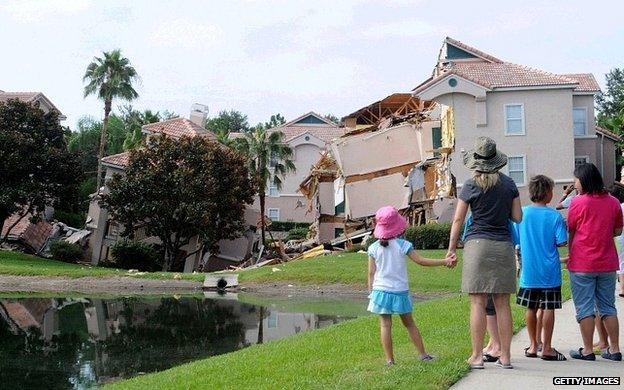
{"points": [[103, 139], [261, 326], [169, 259], [262, 220]]}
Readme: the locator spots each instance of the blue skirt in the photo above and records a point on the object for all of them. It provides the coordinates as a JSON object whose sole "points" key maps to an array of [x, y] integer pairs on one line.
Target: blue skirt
{"points": [[388, 302]]}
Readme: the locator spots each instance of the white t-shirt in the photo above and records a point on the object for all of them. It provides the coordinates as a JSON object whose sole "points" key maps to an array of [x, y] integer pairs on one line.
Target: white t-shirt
{"points": [[391, 272]]}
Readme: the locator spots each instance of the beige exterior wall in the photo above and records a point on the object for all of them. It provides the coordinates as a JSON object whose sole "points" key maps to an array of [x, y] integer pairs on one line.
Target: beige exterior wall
{"points": [[291, 208], [607, 165], [306, 155], [327, 231], [547, 144], [585, 147], [426, 129]]}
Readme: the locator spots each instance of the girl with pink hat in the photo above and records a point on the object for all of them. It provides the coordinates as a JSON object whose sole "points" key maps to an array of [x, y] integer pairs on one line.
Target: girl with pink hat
{"points": [[387, 278]]}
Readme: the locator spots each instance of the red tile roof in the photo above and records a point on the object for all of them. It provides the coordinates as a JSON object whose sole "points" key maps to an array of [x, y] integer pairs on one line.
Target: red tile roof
{"points": [[120, 160], [492, 73], [179, 127], [587, 82], [608, 133], [33, 235], [23, 96]]}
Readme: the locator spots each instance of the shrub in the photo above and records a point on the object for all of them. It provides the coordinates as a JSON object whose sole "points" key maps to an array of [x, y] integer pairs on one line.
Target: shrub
{"points": [[283, 226], [430, 236], [368, 242], [299, 233], [129, 254], [354, 248], [66, 252]]}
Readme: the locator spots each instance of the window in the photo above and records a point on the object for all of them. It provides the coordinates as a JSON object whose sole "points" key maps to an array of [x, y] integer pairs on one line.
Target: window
{"points": [[517, 169], [436, 136], [338, 232], [579, 116], [514, 119], [273, 214], [273, 191], [578, 160]]}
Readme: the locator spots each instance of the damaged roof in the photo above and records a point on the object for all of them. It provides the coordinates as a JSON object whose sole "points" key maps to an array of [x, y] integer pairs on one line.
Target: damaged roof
{"points": [[32, 235], [492, 73], [177, 128]]}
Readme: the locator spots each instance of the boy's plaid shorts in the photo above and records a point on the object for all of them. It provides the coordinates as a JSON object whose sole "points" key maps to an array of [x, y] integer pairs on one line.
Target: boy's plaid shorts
{"points": [[539, 298]]}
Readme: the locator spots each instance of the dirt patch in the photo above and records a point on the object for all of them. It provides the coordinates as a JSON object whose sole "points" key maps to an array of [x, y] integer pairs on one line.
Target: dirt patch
{"points": [[114, 285]]}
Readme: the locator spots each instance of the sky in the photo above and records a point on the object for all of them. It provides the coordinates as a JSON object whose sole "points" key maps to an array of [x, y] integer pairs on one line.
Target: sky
{"points": [[288, 57]]}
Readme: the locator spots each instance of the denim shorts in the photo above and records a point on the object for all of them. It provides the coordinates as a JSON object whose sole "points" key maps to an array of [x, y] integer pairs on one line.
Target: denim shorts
{"points": [[593, 291]]}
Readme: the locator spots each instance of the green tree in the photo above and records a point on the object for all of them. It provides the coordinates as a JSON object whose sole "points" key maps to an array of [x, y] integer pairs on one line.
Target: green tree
{"points": [[332, 117], [109, 77], [275, 121], [179, 189], [227, 122], [611, 102], [34, 161], [268, 161], [133, 121]]}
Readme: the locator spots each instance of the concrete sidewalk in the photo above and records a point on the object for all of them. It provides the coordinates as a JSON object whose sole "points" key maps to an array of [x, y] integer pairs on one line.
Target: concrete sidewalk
{"points": [[532, 373]]}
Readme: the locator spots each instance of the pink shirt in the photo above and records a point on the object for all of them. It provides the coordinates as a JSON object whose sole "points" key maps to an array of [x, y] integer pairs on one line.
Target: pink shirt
{"points": [[592, 219]]}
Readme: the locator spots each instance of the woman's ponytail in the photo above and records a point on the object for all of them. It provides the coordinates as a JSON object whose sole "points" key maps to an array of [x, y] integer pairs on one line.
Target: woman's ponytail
{"points": [[383, 243]]}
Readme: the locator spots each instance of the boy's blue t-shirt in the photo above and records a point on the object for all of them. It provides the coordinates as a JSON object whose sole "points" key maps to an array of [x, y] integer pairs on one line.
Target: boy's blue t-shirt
{"points": [[541, 230]]}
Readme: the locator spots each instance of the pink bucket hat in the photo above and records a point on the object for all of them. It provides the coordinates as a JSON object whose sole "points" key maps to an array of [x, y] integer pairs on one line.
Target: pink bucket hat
{"points": [[389, 223]]}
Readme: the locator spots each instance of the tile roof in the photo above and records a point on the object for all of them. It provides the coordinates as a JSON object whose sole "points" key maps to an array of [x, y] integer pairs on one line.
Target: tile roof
{"points": [[587, 82], [326, 133], [23, 96], [491, 73], [179, 127], [471, 49], [34, 235], [120, 160], [608, 133]]}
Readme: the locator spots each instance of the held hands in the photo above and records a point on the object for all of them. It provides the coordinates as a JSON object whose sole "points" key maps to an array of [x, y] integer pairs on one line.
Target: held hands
{"points": [[451, 259]]}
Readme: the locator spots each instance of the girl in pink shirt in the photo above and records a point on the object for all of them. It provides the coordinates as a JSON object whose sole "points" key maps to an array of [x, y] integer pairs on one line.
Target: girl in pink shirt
{"points": [[594, 218]]}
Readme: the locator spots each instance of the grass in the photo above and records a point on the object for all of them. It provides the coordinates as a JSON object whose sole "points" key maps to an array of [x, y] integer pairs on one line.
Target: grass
{"points": [[346, 355], [19, 264], [351, 269]]}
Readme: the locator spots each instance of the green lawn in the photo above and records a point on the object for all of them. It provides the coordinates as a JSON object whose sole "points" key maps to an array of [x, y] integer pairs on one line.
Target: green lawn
{"points": [[347, 355], [351, 268], [16, 263]]}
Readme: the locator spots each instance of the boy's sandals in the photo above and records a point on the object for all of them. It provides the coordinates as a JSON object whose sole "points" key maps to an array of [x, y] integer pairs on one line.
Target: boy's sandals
{"points": [[390, 363], [487, 358], [557, 357], [529, 354], [427, 358], [500, 364], [475, 366]]}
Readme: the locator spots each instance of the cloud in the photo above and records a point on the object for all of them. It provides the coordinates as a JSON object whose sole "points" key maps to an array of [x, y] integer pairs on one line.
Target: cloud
{"points": [[185, 34], [405, 28], [28, 11]]}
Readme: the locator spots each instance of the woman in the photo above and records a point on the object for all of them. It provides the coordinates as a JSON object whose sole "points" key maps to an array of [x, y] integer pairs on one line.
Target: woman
{"points": [[489, 265], [594, 218]]}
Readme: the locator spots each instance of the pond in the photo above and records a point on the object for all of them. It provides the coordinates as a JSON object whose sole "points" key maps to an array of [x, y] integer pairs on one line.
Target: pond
{"points": [[81, 342]]}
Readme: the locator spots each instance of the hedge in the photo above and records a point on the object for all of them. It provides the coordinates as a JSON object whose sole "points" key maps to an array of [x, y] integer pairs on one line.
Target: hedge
{"points": [[283, 226], [66, 252], [299, 233], [429, 236], [136, 255]]}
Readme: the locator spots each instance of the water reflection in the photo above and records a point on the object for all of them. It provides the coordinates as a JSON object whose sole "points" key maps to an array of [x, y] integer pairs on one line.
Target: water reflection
{"points": [[60, 343]]}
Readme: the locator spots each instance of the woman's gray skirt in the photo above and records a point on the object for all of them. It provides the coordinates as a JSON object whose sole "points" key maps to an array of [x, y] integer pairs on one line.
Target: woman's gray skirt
{"points": [[489, 267]]}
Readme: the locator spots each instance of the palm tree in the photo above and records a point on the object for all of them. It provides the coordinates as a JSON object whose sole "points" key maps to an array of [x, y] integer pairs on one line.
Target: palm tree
{"points": [[269, 159], [109, 78]]}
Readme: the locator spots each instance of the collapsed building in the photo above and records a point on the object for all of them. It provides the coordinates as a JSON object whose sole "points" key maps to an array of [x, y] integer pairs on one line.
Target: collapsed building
{"points": [[396, 152]]}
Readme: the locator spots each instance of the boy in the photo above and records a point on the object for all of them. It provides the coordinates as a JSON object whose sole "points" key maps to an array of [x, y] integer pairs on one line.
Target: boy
{"points": [[541, 231]]}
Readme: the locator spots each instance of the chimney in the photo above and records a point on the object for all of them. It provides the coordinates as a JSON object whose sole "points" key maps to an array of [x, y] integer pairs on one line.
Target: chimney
{"points": [[199, 113]]}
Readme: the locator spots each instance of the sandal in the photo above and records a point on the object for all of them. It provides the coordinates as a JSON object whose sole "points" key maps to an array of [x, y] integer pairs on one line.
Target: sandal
{"points": [[477, 366], [487, 358], [529, 354], [500, 364], [426, 358], [557, 357]]}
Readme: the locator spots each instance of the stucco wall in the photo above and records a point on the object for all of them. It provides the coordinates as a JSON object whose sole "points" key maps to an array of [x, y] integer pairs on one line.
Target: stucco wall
{"points": [[292, 208], [608, 164], [588, 147], [548, 145], [306, 156]]}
